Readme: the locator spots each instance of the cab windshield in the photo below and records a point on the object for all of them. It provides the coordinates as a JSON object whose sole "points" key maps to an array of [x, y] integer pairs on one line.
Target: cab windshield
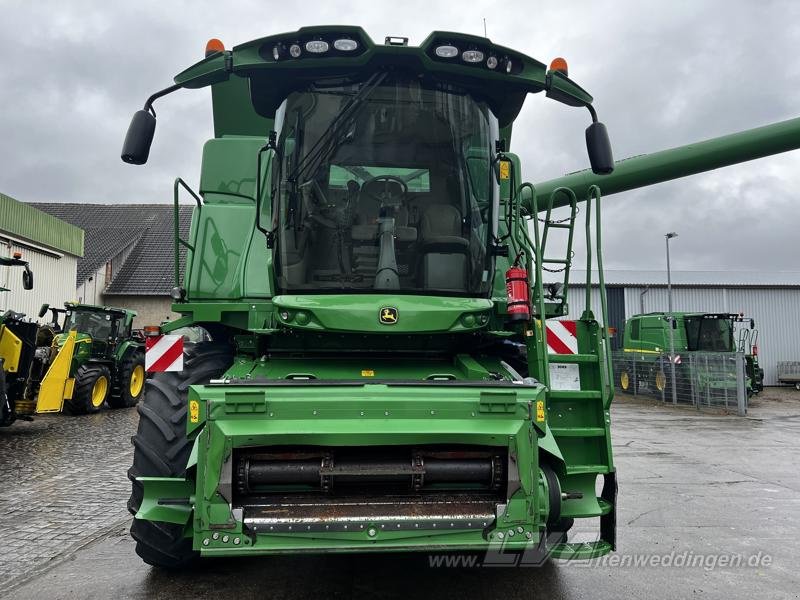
{"points": [[384, 185], [709, 333], [97, 325]]}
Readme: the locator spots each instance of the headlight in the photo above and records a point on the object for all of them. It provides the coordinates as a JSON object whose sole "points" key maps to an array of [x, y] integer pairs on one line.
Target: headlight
{"points": [[491, 62], [317, 46], [295, 51], [472, 56], [446, 51], [345, 45]]}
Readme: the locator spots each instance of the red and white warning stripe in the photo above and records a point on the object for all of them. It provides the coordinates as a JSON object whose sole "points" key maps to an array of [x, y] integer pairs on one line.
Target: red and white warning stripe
{"points": [[163, 353], [562, 337]]}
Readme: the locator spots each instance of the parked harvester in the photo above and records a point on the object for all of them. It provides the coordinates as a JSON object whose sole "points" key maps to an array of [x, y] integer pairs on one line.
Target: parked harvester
{"points": [[360, 254], [654, 341]]}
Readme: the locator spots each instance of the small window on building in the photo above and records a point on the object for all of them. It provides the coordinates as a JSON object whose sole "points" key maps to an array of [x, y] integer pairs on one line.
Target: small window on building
{"points": [[108, 272]]}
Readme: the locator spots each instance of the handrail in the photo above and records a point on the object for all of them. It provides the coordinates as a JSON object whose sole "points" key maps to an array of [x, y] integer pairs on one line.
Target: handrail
{"points": [[594, 191], [176, 223]]}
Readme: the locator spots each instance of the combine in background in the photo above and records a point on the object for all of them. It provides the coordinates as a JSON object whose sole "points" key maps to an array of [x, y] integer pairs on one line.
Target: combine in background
{"points": [[646, 341]]}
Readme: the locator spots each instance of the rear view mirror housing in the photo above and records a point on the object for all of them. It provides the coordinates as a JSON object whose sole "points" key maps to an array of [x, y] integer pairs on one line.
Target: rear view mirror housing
{"points": [[43, 310], [598, 146], [136, 147], [27, 278]]}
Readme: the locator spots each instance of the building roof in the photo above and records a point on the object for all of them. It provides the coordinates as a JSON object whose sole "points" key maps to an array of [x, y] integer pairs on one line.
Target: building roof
{"points": [[693, 278], [25, 221], [146, 229]]}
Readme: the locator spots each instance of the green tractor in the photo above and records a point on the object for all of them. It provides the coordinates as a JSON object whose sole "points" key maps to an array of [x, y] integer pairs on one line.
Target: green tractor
{"points": [[17, 347], [97, 359], [695, 336], [369, 266]]}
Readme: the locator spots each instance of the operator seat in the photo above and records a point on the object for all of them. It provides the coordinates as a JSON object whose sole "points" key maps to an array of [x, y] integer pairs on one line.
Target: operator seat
{"points": [[445, 251]]}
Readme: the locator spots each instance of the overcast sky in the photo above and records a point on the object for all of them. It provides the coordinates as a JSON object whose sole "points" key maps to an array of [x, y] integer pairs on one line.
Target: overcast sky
{"points": [[662, 74]]}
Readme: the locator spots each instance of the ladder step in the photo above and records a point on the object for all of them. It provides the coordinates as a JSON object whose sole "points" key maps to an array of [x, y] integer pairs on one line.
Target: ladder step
{"points": [[577, 469], [575, 395], [558, 225], [578, 431], [573, 359]]}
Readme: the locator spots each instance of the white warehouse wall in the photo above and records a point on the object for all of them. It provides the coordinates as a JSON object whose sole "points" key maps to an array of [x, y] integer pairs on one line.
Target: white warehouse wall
{"points": [[54, 276]]}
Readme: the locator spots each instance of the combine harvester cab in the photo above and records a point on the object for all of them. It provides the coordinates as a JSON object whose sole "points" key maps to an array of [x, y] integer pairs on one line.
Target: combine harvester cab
{"points": [[370, 269]]}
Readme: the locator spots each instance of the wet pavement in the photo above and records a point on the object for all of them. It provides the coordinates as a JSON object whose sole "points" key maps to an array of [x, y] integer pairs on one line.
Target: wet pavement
{"points": [[62, 482], [709, 506]]}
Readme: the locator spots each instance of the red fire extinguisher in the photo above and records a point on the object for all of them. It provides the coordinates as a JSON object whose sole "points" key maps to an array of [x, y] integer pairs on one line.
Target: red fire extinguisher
{"points": [[519, 308]]}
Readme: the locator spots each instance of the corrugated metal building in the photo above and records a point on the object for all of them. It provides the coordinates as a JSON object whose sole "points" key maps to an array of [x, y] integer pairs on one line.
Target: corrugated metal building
{"points": [[772, 299], [50, 245]]}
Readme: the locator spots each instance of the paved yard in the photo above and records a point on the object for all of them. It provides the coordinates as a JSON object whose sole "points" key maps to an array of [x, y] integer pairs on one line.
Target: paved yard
{"points": [[62, 482], [709, 506]]}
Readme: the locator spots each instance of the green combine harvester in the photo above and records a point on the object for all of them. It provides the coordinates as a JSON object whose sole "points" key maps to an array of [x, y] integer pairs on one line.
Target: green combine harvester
{"points": [[646, 342], [370, 268]]}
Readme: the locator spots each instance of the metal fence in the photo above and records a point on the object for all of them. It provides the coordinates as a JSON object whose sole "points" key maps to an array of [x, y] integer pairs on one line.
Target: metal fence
{"points": [[700, 379]]}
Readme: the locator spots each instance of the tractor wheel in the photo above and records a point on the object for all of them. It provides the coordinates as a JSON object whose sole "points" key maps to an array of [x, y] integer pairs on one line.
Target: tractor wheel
{"points": [[92, 383], [161, 449], [6, 409], [626, 381], [131, 382], [662, 383]]}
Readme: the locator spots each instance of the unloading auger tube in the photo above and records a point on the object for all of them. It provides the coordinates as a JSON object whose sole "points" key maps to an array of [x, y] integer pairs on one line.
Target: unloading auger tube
{"points": [[682, 161]]}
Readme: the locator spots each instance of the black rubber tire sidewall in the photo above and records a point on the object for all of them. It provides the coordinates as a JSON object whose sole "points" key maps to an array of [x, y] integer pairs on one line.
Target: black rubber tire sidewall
{"points": [[161, 448], [85, 378]]}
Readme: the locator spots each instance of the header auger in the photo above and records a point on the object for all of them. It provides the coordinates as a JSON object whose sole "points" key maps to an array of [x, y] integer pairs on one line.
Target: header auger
{"points": [[360, 231]]}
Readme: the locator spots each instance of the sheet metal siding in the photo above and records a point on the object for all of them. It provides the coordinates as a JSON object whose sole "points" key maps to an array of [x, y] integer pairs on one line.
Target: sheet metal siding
{"points": [[53, 280], [26, 221], [775, 310]]}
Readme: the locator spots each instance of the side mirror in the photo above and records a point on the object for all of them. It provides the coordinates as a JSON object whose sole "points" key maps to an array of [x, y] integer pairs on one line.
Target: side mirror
{"points": [[752, 324], [599, 148], [43, 310], [136, 147], [27, 278]]}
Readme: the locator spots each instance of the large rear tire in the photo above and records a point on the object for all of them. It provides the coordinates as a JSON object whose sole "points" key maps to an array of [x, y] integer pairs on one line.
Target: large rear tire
{"points": [[131, 381], [161, 449], [92, 384]]}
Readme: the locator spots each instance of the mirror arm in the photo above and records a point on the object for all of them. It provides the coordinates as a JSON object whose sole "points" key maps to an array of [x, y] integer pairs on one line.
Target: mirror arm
{"points": [[592, 112], [148, 105]]}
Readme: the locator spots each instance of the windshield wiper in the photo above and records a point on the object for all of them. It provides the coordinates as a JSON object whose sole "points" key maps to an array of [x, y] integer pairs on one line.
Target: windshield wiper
{"points": [[330, 139]]}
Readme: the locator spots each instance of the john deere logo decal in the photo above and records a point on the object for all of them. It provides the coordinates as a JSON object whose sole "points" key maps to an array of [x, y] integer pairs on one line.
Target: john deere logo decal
{"points": [[388, 315]]}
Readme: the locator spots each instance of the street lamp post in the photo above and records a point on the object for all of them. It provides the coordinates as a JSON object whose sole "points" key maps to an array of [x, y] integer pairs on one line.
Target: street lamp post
{"points": [[668, 237]]}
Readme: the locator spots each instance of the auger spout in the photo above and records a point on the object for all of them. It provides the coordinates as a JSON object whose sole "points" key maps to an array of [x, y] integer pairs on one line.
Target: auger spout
{"points": [[649, 169]]}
